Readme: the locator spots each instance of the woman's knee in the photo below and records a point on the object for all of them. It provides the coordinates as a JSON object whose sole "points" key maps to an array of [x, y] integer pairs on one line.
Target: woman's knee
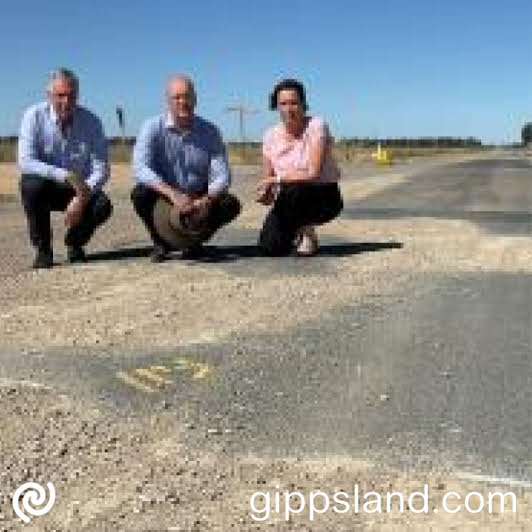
{"points": [[274, 243]]}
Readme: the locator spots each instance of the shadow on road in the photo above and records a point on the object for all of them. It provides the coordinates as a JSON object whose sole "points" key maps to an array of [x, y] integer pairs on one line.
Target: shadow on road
{"points": [[234, 253], [217, 254], [343, 250], [121, 254]]}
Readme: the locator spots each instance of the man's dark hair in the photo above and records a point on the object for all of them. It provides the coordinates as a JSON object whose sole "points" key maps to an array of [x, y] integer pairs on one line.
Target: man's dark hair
{"points": [[290, 84]]}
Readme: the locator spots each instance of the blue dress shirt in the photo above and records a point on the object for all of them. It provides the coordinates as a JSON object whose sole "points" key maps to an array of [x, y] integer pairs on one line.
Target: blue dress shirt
{"points": [[192, 161], [43, 149]]}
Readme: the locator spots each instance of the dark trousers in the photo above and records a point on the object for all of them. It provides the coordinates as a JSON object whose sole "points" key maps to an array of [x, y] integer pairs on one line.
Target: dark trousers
{"points": [[40, 196], [224, 209], [298, 205]]}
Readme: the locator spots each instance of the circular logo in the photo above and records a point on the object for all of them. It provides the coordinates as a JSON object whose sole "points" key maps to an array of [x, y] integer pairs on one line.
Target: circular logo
{"points": [[35, 496]]}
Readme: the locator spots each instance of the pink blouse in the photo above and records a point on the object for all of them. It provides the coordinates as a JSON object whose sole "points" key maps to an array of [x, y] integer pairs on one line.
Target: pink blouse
{"points": [[287, 154]]}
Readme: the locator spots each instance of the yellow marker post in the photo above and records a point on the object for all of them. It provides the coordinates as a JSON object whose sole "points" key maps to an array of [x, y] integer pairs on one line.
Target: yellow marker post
{"points": [[382, 156]]}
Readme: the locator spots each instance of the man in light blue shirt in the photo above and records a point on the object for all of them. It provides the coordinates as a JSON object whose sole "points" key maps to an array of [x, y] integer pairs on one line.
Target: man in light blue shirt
{"points": [[181, 158], [62, 155]]}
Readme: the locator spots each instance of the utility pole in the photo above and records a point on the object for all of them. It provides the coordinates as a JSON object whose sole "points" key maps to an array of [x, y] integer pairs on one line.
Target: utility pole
{"points": [[242, 111], [120, 151], [121, 122]]}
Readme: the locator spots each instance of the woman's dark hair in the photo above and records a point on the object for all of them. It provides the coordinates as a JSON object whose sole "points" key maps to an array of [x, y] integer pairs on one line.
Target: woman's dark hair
{"points": [[290, 84]]}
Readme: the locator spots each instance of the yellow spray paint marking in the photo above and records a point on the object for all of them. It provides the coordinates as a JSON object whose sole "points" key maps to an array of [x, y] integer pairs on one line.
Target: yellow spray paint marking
{"points": [[147, 380], [152, 376], [133, 382], [199, 370], [153, 379]]}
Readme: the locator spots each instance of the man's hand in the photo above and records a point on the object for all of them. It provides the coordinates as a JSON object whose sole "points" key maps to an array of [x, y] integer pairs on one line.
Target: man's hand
{"points": [[202, 204], [74, 212], [183, 202], [198, 216], [83, 192], [78, 184], [75, 208]]}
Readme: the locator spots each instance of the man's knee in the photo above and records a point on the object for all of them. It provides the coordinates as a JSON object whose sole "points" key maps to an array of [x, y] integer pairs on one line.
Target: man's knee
{"points": [[32, 187], [273, 243], [142, 198], [231, 208], [103, 208]]}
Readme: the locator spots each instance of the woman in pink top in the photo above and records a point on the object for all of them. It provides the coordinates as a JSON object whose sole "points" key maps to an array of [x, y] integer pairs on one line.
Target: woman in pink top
{"points": [[299, 177]]}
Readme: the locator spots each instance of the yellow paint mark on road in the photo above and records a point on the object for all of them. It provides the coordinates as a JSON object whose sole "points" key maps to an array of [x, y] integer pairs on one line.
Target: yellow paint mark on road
{"points": [[199, 370], [133, 382], [152, 376], [153, 379]]}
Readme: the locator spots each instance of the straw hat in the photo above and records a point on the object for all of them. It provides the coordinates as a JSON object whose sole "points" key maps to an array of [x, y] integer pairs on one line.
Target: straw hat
{"points": [[176, 229]]}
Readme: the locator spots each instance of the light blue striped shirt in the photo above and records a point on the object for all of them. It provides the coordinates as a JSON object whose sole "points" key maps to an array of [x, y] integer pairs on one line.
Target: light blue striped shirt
{"points": [[44, 150], [192, 161]]}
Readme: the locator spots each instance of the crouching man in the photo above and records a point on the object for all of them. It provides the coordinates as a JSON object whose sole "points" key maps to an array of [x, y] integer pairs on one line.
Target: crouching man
{"points": [[62, 155], [180, 161]]}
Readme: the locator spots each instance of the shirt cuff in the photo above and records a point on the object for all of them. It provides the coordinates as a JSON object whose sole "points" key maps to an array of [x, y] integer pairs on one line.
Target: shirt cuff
{"points": [[94, 183], [216, 188], [59, 174]]}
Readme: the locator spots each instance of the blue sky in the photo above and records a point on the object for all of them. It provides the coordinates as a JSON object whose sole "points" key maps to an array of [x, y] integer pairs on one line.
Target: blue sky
{"points": [[388, 68]]}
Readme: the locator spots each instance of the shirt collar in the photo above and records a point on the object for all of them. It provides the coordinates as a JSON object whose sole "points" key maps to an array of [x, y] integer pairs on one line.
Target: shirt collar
{"points": [[55, 118], [169, 123]]}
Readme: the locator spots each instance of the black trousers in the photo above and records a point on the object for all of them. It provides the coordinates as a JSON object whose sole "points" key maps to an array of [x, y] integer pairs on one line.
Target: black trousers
{"points": [[40, 196], [222, 211], [298, 205]]}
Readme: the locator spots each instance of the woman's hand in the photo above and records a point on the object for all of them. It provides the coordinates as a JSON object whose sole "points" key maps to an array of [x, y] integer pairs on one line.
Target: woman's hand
{"points": [[265, 192]]}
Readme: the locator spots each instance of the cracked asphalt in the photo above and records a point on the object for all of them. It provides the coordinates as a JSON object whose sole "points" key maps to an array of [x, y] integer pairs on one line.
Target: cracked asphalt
{"points": [[160, 397]]}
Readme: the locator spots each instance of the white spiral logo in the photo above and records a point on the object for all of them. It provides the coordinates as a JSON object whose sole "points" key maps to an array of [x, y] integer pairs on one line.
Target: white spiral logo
{"points": [[36, 496]]}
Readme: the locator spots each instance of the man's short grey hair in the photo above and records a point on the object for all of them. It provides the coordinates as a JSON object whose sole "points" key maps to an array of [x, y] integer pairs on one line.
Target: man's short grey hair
{"points": [[64, 73]]}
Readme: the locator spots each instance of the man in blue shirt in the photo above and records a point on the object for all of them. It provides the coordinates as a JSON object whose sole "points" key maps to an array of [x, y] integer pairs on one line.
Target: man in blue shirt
{"points": [[62, 155], [181, 157]]}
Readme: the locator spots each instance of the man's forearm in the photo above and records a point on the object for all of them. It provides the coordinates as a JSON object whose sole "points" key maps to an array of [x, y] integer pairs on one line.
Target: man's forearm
{"points": [[47, 171], [169, 192], [162, 188]]}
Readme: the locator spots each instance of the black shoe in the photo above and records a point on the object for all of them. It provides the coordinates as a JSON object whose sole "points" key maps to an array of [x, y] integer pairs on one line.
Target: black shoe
{"points": [[43, 259], [76, 254], [159, 253], [193, 252]]}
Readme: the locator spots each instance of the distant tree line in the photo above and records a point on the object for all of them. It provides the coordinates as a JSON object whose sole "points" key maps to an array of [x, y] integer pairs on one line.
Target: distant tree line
{"points": [[351, 141], [417, 142], [120, 147]]}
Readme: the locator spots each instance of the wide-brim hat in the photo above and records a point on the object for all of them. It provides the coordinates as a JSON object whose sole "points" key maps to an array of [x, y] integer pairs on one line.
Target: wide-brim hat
{"points": [[177, 230]]}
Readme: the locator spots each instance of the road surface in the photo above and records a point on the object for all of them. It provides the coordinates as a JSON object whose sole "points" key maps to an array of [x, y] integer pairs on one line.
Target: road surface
{"points": [[406, 345]]}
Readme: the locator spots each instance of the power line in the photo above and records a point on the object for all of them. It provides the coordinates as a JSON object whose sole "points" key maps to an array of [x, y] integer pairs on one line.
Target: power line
{"points": [[242, 111]]}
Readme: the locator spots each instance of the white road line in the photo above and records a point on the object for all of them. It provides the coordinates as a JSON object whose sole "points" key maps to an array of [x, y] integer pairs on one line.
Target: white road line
{"points": [[476, 477], [6, 383]]}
